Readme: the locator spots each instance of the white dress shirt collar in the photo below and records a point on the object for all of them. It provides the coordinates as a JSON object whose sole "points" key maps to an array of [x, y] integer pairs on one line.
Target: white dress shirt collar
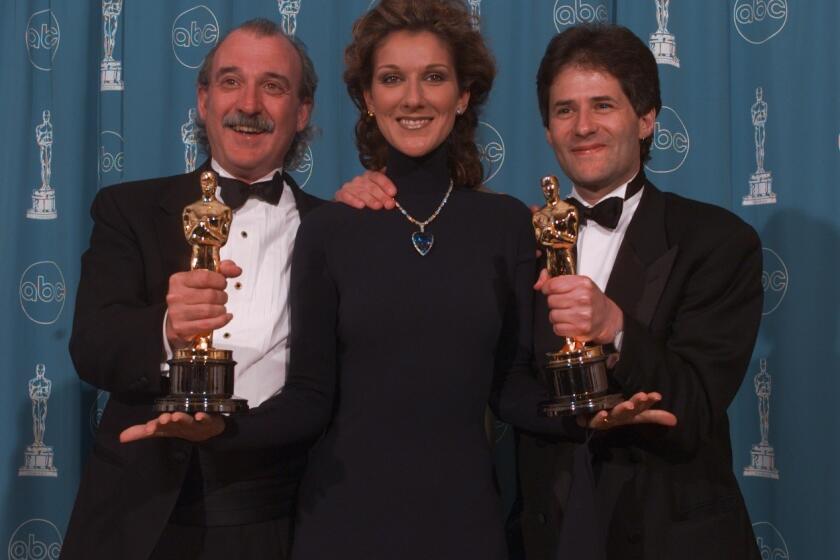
{"points": [[597, 246]]}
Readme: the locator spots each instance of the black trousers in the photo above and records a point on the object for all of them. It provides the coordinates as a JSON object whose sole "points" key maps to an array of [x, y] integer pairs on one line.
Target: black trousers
{"points": [[269, 540]]}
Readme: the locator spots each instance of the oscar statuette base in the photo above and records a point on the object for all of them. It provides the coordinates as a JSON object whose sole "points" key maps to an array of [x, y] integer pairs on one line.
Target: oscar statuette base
{"points": [[664, 47], [577, 381], [38, 461], [763, 462], [111, 76], [761, 189], [43, 204], [201, 381]]}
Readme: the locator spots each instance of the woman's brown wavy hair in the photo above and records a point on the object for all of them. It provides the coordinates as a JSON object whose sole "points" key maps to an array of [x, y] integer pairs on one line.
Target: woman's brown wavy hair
{"points": [[475, 68]]}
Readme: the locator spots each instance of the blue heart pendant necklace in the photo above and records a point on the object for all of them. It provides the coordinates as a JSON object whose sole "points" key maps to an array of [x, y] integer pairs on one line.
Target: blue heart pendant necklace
{"points": [[423, 240]]}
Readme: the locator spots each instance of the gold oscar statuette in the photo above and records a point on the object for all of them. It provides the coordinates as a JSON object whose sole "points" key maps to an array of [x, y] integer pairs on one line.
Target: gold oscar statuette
{"points": [[200, 376], [576, 374]]}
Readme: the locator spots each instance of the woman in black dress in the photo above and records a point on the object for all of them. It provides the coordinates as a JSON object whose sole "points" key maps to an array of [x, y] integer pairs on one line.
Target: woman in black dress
{"points": [[409, 322], [404, 324]]}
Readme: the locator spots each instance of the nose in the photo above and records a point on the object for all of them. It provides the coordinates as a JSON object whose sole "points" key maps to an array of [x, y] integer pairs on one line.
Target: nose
{"points": [[584, 123], [413, 94], [249, 101]]}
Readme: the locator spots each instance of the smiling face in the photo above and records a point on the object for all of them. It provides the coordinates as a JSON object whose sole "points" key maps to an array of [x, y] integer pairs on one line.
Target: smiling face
{"points": [[414, 92], [251, 106], [594, 130]]}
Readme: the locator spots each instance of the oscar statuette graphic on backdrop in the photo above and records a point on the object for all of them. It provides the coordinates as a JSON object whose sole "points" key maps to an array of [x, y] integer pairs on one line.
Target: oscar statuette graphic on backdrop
{"points": [[662, 42], [289, 10], [43, 197], [111, 69], [39, 458], [761, 181], [475, 14], [762, 455], [190, 140]]}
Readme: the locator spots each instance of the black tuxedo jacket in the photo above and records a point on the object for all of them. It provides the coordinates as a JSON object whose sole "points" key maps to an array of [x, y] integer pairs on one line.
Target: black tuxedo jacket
{"points": [[688, 279], [128, 492]]}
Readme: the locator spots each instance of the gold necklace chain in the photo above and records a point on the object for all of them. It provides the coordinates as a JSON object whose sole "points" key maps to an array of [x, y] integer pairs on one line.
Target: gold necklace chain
{"points": [[434, 215]]}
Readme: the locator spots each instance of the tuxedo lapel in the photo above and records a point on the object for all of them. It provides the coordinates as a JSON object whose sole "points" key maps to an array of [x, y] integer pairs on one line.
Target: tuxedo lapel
{"points": [[644, 259], [182, 190], [303, 201]]}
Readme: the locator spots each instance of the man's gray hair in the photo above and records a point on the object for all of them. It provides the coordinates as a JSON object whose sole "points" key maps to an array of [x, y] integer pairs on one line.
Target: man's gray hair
{"points": [[262, 27]]}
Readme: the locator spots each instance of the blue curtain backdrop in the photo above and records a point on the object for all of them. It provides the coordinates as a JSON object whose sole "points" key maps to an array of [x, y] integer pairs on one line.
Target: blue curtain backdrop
{"points": [[97, 92]]}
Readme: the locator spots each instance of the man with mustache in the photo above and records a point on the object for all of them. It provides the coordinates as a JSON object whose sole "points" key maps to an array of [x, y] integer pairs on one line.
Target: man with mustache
{"points": [[137, 302]]}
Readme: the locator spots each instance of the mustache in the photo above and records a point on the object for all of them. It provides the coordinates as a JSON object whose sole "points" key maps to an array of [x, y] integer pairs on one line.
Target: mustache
{"points": [[258, 122]]}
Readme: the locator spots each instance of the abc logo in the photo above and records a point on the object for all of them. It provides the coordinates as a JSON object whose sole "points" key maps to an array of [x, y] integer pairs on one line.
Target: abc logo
{"points": [[111, 156], [42, 292], [303, 171], [771, 543], [42, 38], [774, 280], [491, 150], [194, 33], [36, 539], [573, 12], [758, 21], [670, 142]]}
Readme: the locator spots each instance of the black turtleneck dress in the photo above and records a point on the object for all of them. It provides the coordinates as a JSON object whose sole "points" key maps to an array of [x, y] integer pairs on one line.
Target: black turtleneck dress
{"points": [[397, 355]]}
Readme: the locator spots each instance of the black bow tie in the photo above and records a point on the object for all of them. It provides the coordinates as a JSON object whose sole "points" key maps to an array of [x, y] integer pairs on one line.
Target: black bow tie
{"points": [[608, 211], [235, 192]]}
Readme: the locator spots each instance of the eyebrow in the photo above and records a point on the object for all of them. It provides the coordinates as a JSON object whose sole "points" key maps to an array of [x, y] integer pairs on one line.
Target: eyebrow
{"points": [[279, 77], [271, 75], [227, 70], [596, 99], [433, 66]]}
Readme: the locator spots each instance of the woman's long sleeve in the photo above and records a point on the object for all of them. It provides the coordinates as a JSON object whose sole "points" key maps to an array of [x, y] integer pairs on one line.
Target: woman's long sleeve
{"points": [[302, 410], [516, 392]]}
